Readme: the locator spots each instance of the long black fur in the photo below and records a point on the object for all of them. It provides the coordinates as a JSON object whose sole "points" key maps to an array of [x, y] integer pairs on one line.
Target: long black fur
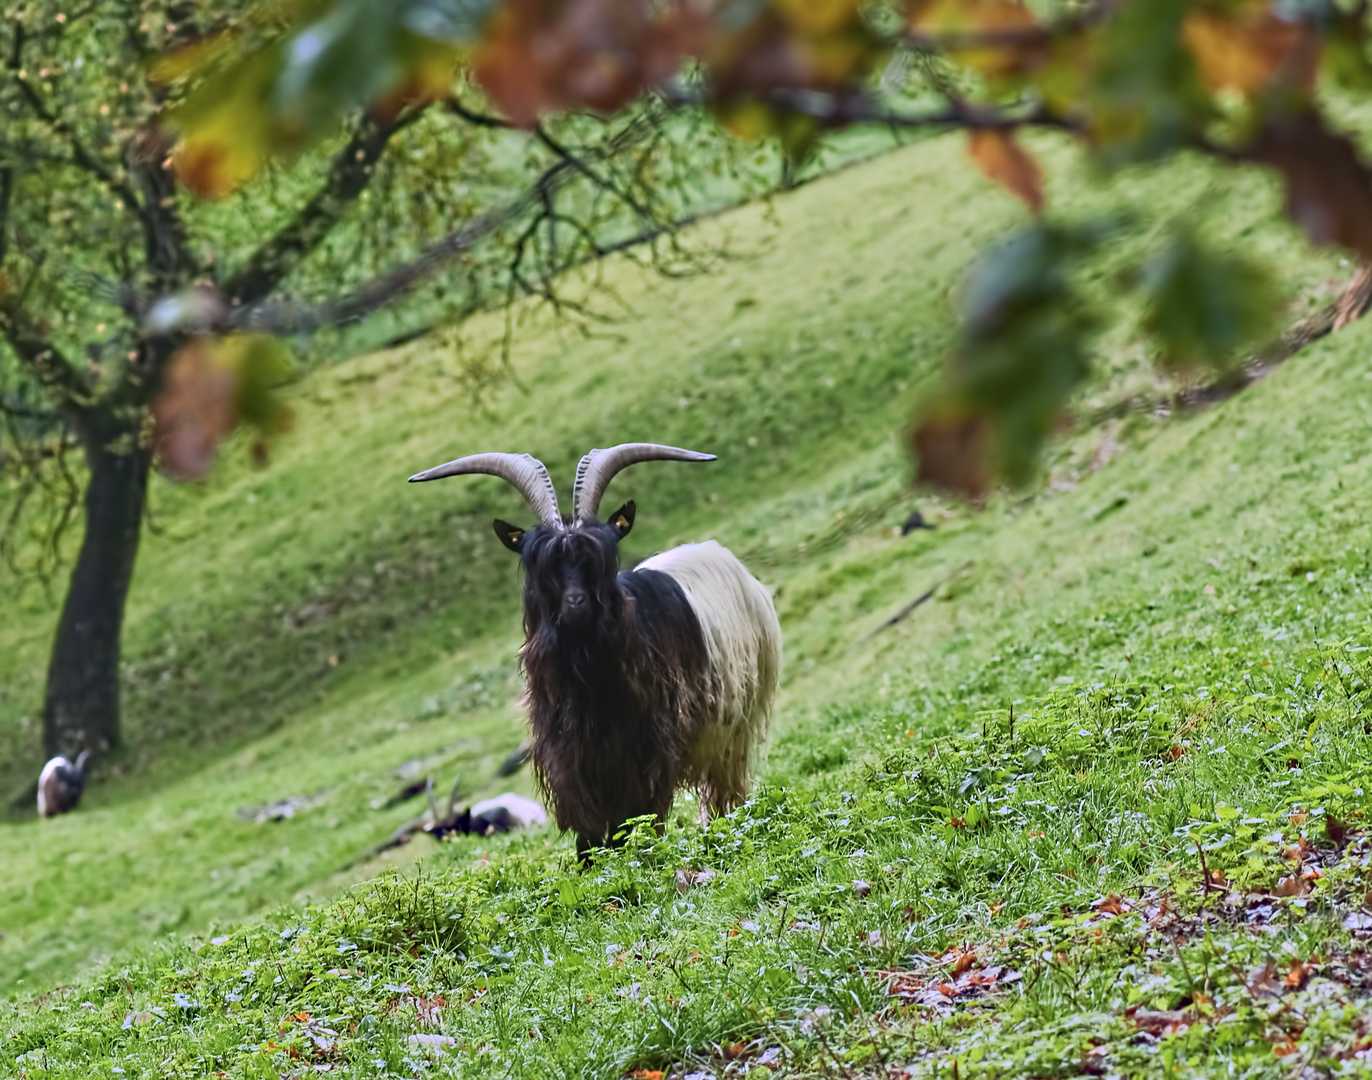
{"points": [[615, 695]]}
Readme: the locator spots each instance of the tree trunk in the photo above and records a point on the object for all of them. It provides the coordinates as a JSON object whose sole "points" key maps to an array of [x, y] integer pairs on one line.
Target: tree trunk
{"points": [[81, 710]]}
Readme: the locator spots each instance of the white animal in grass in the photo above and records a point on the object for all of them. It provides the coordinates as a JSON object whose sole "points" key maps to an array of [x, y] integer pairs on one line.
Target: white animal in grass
{"points": [[60, 784]]}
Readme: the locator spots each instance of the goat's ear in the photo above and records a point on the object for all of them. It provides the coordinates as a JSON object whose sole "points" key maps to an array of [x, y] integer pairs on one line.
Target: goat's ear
{"points": [[622, 520], [510, 535]]}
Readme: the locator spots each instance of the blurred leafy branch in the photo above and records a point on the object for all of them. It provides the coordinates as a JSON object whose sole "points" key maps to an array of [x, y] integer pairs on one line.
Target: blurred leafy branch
{"points": [[1131, 81]]}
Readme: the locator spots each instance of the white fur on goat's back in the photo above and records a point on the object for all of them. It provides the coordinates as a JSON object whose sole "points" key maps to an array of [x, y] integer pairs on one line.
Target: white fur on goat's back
{"points": [[744, 640]]}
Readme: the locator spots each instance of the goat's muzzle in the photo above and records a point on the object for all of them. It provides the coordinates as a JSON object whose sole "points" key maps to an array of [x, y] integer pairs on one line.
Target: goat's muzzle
{"points": [[576, 608]]}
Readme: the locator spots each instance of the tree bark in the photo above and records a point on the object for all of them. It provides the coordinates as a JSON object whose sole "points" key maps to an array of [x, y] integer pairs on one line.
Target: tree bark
{"points": [[81, 710]]}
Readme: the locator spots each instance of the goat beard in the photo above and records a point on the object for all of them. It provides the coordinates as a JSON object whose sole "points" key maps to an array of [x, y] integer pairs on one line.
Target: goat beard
{"points": [[611, 720]]}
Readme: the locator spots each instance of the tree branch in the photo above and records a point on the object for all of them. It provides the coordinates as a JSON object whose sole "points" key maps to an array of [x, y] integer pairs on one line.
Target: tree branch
{"points": [[24, 412], [7, 173], [1082, 18], [841, 110], [279, 318], [44, 361], [80, 156], [349, 175], [168, 254], [461, 111]]}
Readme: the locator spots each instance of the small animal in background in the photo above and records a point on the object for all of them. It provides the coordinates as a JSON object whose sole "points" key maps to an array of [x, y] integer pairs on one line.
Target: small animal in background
{"points": [[60, 784], [504, 813], [913, 522], [638, 683]]}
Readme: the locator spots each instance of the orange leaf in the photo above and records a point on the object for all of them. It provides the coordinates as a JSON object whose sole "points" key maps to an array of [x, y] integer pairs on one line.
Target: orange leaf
{"points": [[540, 56], [1110, 905], [952, 449], [1012, 45], [1299, 974], [963, 16], [962, 961], [1295, 885], [1337, 831], [1248, 52], [1006, 163], [194, 412]]}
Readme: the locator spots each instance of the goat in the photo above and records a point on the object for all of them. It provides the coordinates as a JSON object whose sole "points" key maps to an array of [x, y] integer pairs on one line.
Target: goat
{"points": [[60, 784], [638, 683]]}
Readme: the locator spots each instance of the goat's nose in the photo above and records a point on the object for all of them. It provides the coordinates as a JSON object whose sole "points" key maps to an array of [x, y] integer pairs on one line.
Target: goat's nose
{"points": [[575, 599]]}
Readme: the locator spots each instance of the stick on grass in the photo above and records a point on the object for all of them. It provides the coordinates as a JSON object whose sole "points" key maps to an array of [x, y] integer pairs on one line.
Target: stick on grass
{"points": [[926, 595]]}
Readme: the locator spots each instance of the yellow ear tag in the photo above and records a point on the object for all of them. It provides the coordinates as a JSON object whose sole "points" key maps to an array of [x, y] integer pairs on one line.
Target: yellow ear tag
{"points": [[515, 534], [621, 522]]}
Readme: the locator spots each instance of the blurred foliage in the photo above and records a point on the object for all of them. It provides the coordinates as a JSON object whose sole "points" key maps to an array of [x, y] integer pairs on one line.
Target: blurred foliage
{"points": [[1134, 82], [179, 178]]}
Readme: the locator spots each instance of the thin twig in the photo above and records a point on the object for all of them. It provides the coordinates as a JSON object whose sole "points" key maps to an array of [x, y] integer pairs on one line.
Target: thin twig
{"points": [[912, 605]]}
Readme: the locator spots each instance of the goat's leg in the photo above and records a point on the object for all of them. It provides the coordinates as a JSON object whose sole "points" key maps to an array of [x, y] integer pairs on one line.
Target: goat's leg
{"points": [[584, 846]]}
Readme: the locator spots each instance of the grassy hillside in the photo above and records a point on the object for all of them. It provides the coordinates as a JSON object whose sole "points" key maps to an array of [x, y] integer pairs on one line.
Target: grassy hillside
{"points": [[1178, 618]]}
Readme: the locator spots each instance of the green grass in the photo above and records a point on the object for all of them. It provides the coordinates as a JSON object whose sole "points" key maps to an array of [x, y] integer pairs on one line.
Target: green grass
{"points": [[1173, 627]]}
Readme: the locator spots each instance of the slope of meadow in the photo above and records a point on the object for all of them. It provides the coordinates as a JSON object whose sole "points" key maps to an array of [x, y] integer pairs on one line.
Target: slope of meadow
{"points": [[1178, 619]]}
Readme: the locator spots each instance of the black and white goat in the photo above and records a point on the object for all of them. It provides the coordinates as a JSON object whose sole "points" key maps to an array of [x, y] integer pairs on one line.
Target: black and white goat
{"points": [[639, 683], [60, 784]]}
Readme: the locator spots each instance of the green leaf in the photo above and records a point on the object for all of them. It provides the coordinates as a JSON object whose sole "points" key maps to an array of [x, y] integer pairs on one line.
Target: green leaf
{"points": [[1023, 350], [1203, 307], [283, 93], [1144, 97]]}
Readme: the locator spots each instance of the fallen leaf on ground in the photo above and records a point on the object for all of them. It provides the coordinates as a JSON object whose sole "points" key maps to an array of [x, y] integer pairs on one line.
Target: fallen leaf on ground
{"points": [[1162, 1022], [1113, 904], [1295, 885], [962, 960]]}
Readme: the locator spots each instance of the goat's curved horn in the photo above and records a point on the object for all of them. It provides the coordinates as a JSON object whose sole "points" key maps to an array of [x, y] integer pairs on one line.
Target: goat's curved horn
{"points": [[598, 468], [523, 471]]}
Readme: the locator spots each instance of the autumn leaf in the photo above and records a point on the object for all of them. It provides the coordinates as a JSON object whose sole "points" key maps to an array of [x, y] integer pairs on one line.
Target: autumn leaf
{"points": [[952, 451], [1006, 163], [1162, 1022], [1113, 904], [1013, 41], [225, 129], [1298, 974], [1263, 981], [1143, 98], [540, 56], [1338, 831], [962, 960], [1328, 187], [1246, 51], [194, 412], [209, 388], [280, 94], [1295, 885]]}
